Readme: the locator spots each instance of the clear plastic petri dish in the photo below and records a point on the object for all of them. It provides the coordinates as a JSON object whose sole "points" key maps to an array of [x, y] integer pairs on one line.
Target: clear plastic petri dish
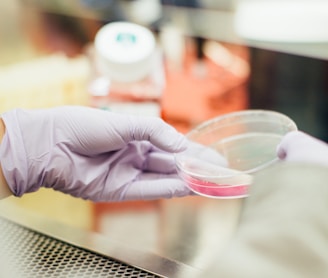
{"points": [[225, 152]]}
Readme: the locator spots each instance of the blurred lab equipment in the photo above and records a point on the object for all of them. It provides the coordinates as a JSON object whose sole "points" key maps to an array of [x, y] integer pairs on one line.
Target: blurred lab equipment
{"points": [[282, 20], [128, 70], [45, 82]]}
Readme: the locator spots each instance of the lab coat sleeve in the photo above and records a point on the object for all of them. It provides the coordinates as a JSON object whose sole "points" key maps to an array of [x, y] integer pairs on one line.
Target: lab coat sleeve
{"points": [[283, 228]]}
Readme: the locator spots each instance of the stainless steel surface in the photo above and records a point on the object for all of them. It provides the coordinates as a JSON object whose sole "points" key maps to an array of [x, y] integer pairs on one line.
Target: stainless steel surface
{"points": [[33, 254], [192, 231], [172, 238], [37, 247]]}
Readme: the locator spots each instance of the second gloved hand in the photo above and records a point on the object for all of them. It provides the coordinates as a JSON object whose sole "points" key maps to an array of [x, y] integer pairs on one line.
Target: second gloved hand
{"points": [[91, 154], [298, 146]]}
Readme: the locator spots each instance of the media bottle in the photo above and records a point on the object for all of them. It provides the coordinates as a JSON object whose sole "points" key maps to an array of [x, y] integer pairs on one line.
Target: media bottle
{"points": [[128, 71]]}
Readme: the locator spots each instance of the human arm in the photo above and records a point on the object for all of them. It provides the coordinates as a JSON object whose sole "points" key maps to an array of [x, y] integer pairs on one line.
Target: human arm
{"points": [[283, 224], [4, 188], [283, 227], [91, 154]]}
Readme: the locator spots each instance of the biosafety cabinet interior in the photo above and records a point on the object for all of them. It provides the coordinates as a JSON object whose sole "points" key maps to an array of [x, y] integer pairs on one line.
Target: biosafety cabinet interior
{"points": [[220, 71]]}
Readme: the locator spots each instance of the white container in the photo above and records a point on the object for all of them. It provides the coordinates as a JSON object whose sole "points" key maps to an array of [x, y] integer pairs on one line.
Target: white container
{"points": [[128, 66]]}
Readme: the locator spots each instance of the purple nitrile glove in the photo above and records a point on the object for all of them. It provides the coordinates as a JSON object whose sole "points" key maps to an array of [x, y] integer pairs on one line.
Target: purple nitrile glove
{"points": [[298, 146], [91, 154]]}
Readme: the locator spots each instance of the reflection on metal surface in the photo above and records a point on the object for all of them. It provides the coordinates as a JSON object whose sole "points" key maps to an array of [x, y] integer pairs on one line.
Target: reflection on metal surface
{"points": [[188, 230], [186, 235], [43, 245]]}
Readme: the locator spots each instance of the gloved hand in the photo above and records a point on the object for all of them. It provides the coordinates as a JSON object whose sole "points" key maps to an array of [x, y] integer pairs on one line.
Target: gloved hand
{"points": [[90, 153], [298, 146]]}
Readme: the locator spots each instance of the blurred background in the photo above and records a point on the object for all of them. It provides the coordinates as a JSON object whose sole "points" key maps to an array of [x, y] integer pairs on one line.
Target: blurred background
{"points": [[216, 56]]}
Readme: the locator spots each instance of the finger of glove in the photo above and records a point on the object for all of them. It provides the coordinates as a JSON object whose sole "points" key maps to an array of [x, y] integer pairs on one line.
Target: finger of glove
{"points": [[156, 131], [292, 143], [283, 146], [202, 160], [298, 146], [153, 186], [205, 153], [160, 162], [94, 131]]}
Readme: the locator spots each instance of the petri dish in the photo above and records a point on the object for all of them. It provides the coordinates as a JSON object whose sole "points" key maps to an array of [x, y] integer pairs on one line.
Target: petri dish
{"points": [[225, 152]]}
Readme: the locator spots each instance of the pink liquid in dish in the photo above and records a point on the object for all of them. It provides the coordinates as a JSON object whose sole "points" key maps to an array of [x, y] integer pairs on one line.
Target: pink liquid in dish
{"points": [[211, 189]]}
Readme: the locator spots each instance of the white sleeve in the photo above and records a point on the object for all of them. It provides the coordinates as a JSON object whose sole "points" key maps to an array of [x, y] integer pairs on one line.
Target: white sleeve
{"points": [[283, 229]]}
